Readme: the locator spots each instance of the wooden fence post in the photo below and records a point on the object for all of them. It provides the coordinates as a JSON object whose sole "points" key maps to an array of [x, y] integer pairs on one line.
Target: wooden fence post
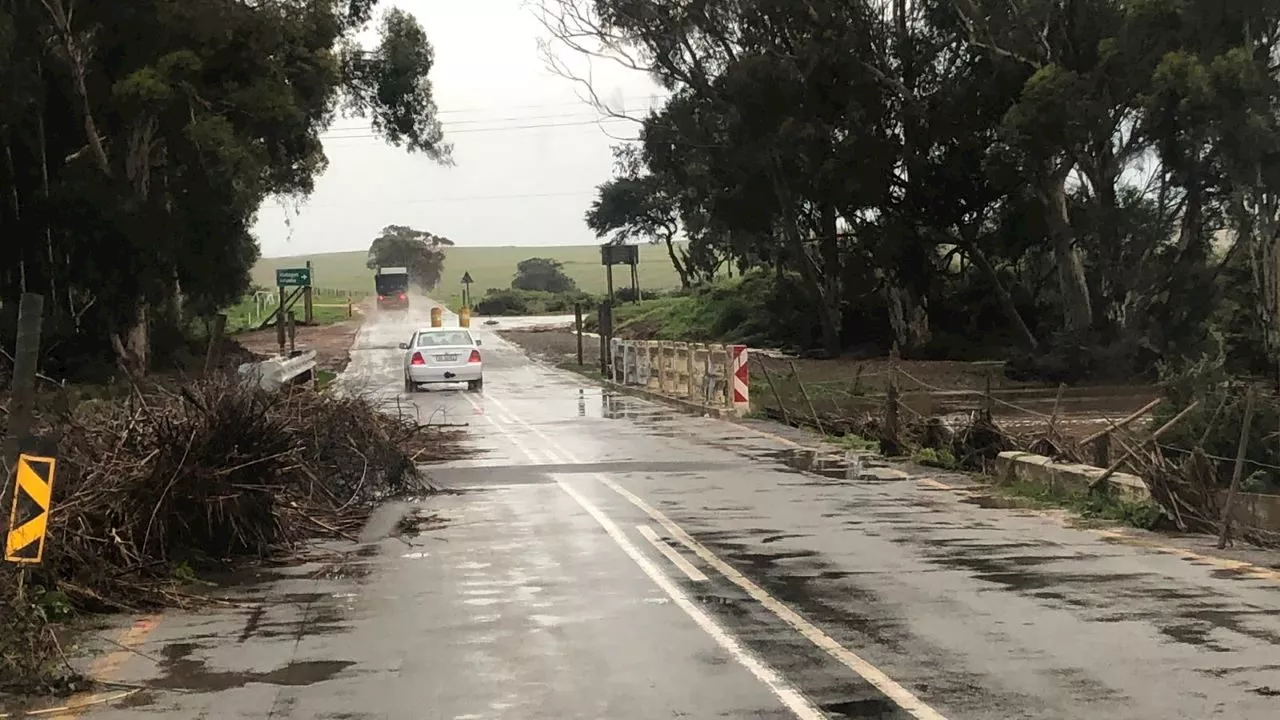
{"points": [[890, 443], [817, 421], [280, 320], [26, 360], [1237, 473], [215, 340], [577, 326], [308, 309], [782, 407]]}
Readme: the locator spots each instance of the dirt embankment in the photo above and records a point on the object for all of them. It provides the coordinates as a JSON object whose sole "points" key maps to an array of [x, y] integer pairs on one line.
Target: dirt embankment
{"points": [[555, 345]]}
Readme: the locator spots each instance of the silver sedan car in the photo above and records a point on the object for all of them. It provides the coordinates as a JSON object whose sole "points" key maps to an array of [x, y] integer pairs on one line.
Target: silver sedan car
{"points": [[442, 355]]}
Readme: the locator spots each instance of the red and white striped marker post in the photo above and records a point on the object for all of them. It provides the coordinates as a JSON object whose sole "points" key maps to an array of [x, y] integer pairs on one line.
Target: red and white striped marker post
{"points": [[741, 380]]}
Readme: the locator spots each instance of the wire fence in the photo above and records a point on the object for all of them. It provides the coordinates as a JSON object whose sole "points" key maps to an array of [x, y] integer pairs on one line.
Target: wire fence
{"points": [[840, 394], [255, 308], [980, 414]]}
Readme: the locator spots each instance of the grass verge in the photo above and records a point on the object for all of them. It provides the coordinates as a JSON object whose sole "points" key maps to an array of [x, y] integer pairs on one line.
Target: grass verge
{"points": [[244, 315], [1093, 508]]}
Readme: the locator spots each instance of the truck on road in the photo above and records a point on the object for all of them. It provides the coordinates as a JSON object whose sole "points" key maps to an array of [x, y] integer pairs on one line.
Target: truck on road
{"points": [[392, 285]]}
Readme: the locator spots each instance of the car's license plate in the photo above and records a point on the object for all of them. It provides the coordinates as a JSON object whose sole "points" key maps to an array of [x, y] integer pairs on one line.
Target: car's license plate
{"points": [[447, 358]]}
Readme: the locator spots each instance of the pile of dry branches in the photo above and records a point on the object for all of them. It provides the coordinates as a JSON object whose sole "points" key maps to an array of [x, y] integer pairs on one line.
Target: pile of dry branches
{"points": [[210, 473], [204, 476]]}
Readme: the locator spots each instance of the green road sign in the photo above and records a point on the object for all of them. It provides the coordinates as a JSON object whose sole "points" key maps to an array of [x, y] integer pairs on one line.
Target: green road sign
{"points": [[293, 277]]}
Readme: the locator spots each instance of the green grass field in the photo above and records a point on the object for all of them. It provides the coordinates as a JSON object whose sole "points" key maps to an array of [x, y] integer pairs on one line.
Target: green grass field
{"points": [[490, 267], [245, 316]]}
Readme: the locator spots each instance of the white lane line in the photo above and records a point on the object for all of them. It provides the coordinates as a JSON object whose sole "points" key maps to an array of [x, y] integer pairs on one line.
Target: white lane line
{"points": [[670, 553], [786, 693], [783, 690], [543, 454], [901, 696]]}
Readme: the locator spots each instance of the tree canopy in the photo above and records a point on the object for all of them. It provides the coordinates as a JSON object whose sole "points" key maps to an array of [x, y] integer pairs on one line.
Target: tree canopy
{"points": [[543, 275], [1089, 184], [421, 252], [141, 138]]}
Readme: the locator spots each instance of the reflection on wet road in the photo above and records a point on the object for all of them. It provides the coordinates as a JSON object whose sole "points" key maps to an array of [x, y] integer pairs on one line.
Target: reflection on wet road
{"points": [[604, 557]]}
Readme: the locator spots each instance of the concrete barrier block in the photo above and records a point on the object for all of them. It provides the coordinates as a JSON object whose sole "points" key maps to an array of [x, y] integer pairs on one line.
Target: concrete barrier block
{"points": [[1065, 478]]}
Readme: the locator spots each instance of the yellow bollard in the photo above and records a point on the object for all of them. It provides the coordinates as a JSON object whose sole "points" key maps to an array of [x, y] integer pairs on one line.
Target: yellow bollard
{"points": [[464, 317], [437, 316]]}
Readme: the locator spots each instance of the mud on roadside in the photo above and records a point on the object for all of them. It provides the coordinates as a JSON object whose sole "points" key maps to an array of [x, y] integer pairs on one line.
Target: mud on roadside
{"points": [[555, 346], [332, 342]]}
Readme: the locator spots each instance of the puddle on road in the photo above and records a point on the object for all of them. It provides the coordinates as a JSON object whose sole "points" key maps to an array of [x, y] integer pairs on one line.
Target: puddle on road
{"points": [[180, 671], [1182, 613], [319, 616], [722, 603], [865, 709], [419, 521], [847, 466], [999, 502], [344, 570]]}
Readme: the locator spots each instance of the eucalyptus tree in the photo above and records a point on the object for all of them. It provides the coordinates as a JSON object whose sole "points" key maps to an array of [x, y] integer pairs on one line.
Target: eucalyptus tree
{"points": [[139, 140]]}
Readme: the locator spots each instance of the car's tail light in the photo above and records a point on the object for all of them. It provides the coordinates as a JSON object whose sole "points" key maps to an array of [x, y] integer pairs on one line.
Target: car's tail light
{"points": [[475, 356], [382, 297], [417, 359], [401, 296]]}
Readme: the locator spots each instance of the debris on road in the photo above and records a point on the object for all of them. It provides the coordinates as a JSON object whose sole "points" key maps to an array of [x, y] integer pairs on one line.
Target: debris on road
{"points": [[164, 484]]}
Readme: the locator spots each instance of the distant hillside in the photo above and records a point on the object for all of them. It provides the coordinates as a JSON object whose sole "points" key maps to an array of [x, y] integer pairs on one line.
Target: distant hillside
{"points": [[490, 267]]}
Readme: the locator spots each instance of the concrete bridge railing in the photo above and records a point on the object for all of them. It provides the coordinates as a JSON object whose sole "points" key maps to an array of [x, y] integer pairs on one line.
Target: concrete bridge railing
{"points": [[713, 376]]}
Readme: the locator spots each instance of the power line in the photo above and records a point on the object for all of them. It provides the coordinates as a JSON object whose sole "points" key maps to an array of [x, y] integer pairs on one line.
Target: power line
{"points": [[519, 119], [579, 103], [431, 201], [632, 104], [372, 135]]}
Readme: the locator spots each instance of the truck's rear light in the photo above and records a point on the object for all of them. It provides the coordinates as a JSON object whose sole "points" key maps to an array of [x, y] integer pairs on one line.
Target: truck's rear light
{"points": [[475, 356], [417, 359], [401, 296], [382, 297]]}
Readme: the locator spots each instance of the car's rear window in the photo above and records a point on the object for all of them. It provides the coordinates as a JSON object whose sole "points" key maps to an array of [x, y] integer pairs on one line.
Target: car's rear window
{"points": [[444, 338]]}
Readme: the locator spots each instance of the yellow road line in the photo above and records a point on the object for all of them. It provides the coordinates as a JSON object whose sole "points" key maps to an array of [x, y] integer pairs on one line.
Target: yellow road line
{"points": [[102, 670], [670, 554], [1238, 566]]}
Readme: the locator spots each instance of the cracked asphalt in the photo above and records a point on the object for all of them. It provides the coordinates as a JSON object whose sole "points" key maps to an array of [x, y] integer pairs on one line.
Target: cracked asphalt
{"points": [[601, 556]]}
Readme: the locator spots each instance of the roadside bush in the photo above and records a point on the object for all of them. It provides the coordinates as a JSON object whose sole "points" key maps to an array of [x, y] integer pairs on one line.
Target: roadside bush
{"points": [[626, 295], [756, 309], [1215, 423], [500, 302]]}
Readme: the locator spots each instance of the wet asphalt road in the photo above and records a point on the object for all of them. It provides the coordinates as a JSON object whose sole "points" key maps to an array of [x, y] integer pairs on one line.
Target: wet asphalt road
{"points": [[605, 557]]}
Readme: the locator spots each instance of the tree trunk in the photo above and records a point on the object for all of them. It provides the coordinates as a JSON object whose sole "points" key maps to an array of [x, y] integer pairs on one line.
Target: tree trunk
{"points": [[823, 281], [16, 202], [138, 341], [675, 261], [831, 274], [1077, 308], [829, 316], [1003, 297], [908, 318]]}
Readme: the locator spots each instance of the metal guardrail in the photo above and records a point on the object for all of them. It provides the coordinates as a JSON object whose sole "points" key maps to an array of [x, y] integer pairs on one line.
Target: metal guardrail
{"points": [[274, 373], [708, 375]]}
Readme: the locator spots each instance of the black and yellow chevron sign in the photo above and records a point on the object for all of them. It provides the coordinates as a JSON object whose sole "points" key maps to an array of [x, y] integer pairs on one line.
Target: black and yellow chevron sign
{"points": [[29, 518]]}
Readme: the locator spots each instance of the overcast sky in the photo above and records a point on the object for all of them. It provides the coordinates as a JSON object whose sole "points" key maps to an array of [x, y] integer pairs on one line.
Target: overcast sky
{"points": [[513, 184]]}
